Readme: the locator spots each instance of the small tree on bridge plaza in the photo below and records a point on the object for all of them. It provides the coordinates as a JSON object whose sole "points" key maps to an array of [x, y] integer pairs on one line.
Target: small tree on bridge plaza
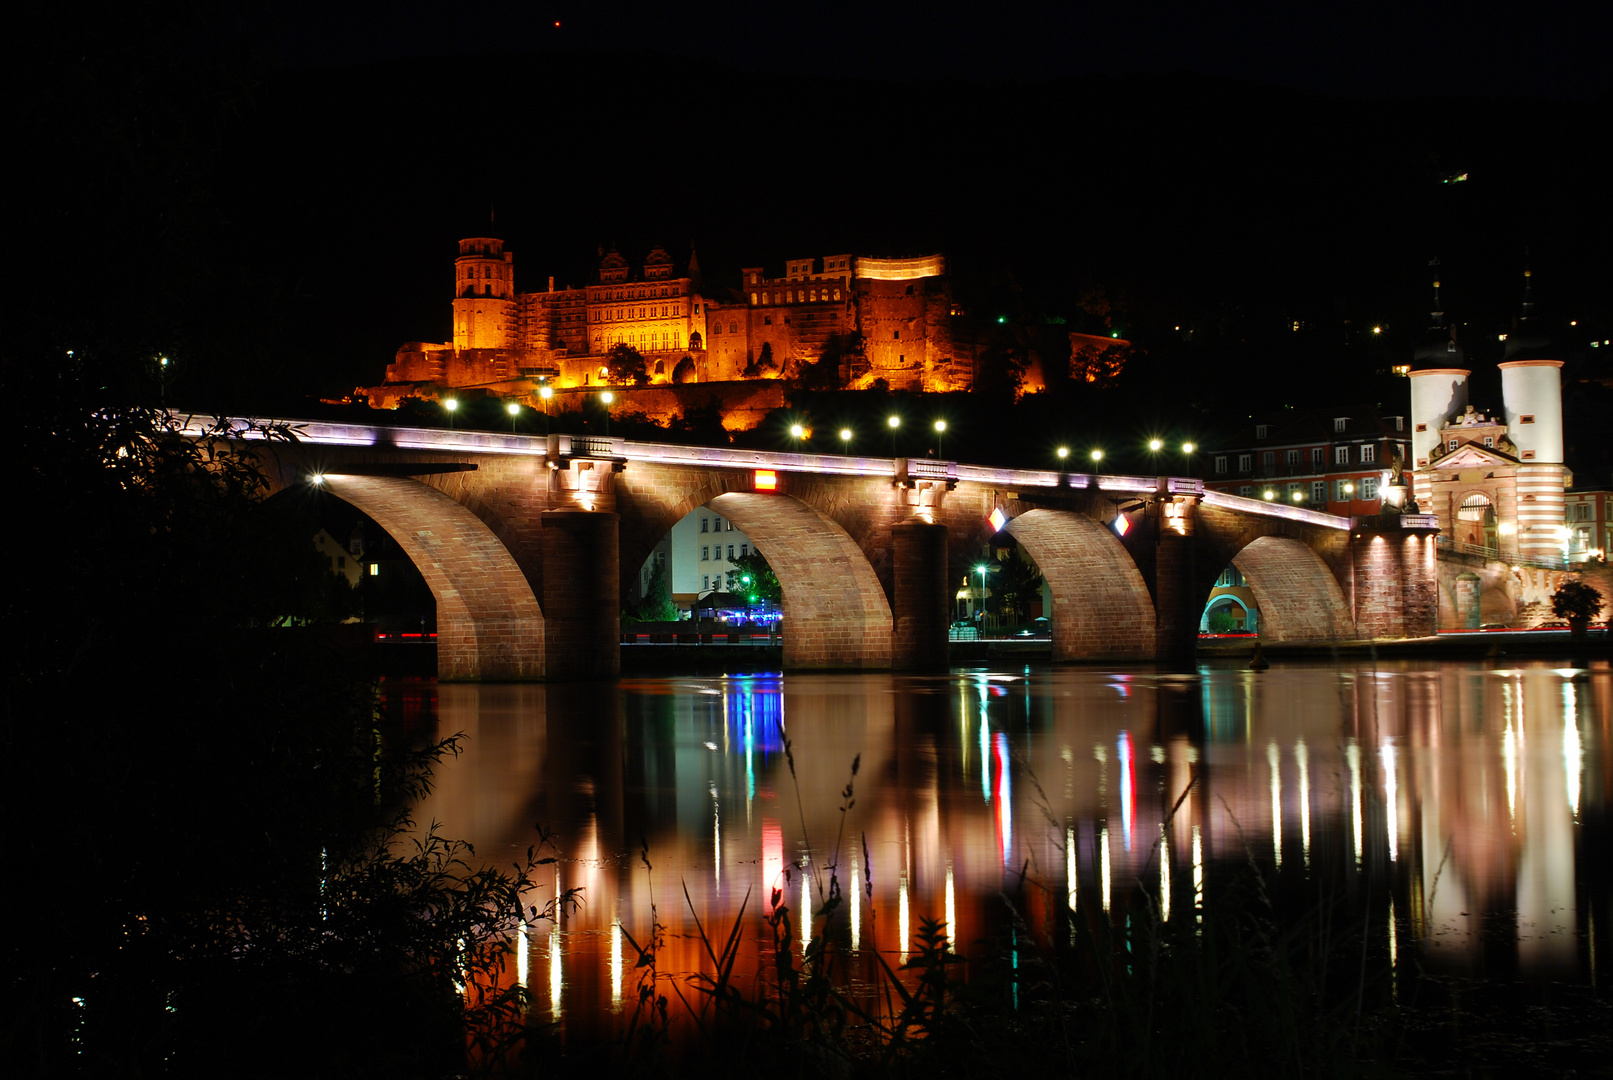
{"points": [[1017, 583]]}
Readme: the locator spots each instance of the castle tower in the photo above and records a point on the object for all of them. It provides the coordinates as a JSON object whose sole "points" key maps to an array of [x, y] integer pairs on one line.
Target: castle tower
{"points": [[1438, 392], [484, 295], [1532, 394]]}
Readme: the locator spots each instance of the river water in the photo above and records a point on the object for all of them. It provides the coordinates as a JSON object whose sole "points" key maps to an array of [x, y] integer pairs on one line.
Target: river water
{"points": [[1467, 803]]}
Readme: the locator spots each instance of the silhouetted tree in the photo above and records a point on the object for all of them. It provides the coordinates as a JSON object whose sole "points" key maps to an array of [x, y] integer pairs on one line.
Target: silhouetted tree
{"points": [[625, 364]]}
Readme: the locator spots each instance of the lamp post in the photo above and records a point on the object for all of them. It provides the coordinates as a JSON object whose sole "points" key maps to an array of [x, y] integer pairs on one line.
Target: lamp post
{"points": [[983, 569], [893, 422], [514, 409], [940, 438], [845, 440], [1097, 456], [546, 392], [797, 433], [1064, 453], [452, 405], [606, 398]]}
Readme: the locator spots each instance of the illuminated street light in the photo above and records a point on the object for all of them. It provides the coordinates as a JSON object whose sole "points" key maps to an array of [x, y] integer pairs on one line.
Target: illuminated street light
{"points": [[797, 431], [607, 397], [1156, 445], [1188, 448], [452, 405], [940, 437], [1268, 494], [1349, 488], [1377, 330], [1064, 452], [983, 569], [1097, 455], [894, 422], [514, 409], [546, 392], [1299, 496], [845, 439]]}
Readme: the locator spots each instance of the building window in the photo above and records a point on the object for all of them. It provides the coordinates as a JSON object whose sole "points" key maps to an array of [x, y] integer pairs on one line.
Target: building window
{"points": [[1369, 487], [1221, 463], [1245, 462], [1291, 457], [1262, 430], [703, 525], [730, 553], [1339, 494], [767, 320], [705, 582], [1319, 491], [1341, 455], [1582, 512], [730, 527], [1317, 453], [1293, 489], [1489, 440], [1451, 445], [1268, 460], [1340, 422], [896, 335], [1421, 427], [705, 553], [753, 298], [1527, 418], [744, 550], [1369, 453], [1247, 491]]}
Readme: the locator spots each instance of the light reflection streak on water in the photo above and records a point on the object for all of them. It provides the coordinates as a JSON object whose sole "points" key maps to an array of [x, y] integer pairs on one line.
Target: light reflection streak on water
{"points": [[1103, 866], [1164, 876], [1005, 806], [856, 904], [1302, 757], [1352, 754], [985, 741], [1391, 799], [1274, 761], [1123, 751], [1394, 953], [1509, 750], [772, 863], [616, 964], [523, 961], [716, 837], [1198, 879], [901, 916], [806, 908], [1573, 753], [1069, 864], [952, 914], [554, 973]]}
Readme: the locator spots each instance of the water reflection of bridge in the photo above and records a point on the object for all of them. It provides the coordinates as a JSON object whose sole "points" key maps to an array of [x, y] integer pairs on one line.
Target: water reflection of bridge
{"points": [[1394, 776], [527, 544]]}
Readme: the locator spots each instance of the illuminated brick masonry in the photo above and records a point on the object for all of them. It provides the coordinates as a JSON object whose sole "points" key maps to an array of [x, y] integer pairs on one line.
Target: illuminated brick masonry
{"points": [[508, 343]]}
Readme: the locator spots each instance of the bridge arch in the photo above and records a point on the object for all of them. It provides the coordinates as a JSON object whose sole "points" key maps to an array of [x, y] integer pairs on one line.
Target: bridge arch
{"points": [[1101, 606], [1298, 595], [489, 625], [835, 612]]}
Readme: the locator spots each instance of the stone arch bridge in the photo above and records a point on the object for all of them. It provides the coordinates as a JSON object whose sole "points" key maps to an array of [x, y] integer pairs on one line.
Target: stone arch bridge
{"points": [[528, 543]]}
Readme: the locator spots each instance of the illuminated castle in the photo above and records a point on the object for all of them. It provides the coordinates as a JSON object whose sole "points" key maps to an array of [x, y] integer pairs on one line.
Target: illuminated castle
{"points": [[1496, 481], [507, 342]]}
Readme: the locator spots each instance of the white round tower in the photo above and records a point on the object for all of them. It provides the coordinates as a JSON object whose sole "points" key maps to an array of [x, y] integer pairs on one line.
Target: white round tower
{"points": [[1532, 394], [484, 295], [1437, 394]]}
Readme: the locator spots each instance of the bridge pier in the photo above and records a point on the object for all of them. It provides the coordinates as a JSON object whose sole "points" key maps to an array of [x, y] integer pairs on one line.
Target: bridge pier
{"points": [[581, 601], [1396, 576], [1178, 601], [921, 611]]}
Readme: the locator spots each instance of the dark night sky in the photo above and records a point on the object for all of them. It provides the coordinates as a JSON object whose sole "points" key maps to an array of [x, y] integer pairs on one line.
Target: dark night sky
{"points": [[273, 191]]}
